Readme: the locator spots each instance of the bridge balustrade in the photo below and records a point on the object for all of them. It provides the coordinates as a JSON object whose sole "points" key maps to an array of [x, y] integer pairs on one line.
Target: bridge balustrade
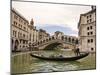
{"points": [[53, 38]]}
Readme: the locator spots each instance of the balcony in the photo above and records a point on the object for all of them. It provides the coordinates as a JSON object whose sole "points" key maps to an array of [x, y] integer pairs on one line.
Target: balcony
{"points": [[23, 38]]}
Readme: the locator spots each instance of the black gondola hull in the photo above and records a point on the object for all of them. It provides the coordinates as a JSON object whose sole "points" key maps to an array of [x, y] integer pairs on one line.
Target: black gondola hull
{"points": [[61, 58]]}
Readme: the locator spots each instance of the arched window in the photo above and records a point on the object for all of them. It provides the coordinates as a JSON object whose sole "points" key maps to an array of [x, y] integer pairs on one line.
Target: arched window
{"points": [[76, 41], [49, 38], [46, 40], [62, 37], [38, 43], [69, 39], [66, 38], [43, 41], [53, 37], [16, 45], [73, 40]]}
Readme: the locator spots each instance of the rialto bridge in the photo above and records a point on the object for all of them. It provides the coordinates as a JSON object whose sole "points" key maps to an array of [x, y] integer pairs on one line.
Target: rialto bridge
{"points": [[47, 43]]}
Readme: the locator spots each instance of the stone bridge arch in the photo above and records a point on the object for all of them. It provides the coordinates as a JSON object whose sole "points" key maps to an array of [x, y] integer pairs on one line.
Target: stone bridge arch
{"points": [[68, 41], [55, 41]]}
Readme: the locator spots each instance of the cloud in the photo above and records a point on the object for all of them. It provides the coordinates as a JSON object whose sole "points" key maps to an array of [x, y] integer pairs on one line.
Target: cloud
{"points": [[52, 14], [53, 28]]}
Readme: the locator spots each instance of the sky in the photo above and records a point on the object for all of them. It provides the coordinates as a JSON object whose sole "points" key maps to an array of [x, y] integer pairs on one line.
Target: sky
{"points": [[52, 17]]}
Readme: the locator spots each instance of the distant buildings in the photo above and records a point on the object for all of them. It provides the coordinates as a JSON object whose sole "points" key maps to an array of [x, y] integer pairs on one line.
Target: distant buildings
{"points": [[59, 34], [33, 32], [23, 33], [42, 34], [87, 31], [66, 38]]}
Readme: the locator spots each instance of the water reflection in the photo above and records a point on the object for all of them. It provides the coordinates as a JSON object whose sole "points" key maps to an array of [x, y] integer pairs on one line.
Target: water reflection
{"points": [[24, 63]]}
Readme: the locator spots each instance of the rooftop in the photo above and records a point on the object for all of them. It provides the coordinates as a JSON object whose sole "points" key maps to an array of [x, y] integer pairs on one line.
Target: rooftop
{"points": [[15, 11]]}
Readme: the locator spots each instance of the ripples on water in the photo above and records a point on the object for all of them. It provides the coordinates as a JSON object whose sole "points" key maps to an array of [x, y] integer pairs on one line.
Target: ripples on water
{"points": [[24, 63]]}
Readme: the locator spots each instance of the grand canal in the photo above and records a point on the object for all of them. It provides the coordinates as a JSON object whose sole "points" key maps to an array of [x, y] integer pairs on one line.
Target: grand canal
{"points": [[24, 63]]}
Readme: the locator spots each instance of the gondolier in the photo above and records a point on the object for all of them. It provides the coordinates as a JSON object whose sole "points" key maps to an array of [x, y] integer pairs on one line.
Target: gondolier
{"points": [[77, 51]]}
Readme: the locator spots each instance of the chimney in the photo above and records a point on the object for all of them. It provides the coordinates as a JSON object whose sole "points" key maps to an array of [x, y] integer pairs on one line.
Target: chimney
{"points": [[93, 7]]}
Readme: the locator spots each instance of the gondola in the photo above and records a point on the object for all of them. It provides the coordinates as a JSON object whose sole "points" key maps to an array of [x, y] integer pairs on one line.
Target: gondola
{"points": [[60, 58]]}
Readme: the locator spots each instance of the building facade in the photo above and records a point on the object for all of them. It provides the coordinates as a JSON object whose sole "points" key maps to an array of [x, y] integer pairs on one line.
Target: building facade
{"points": [[23, 33], [87, 31], [19, 31], [59, 35], [43, 34], [31, 32]]}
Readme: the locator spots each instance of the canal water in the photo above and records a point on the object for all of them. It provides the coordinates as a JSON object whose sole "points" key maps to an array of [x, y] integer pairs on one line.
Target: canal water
{"points": [[24, 63]]}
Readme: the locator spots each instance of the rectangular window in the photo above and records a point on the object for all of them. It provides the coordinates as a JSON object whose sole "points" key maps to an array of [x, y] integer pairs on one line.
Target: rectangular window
{"points": [[15, 17], [90, 20], [91, 33], [15, 33], [92, 49], [90, 27], [87, 28], [24, 23], [19, 25], [14, 23], [87, 21], [88, 41], [23, 41], [30, 37], [87, 17], [91, 40], [24, 28], [20, 41], [23, 35], [88, 33]]}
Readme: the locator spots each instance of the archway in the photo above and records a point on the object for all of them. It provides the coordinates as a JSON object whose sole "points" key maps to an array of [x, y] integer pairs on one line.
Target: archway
{"points": [[65, 38], [62, 37], [46, 40], [49, 39], [38, 43], [72, 40], [43, 41], [69, 39], [53, 38], [12, 44], [52, 46], [76, 42], [16, 45]]}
